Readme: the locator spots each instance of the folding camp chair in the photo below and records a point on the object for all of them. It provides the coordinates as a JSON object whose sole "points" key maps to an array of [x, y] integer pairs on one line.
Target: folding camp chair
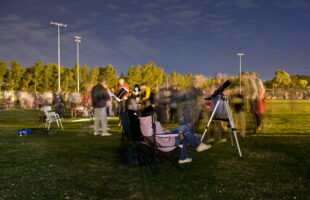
{"points": [[51, 117], [152, 138], [132, 151]]}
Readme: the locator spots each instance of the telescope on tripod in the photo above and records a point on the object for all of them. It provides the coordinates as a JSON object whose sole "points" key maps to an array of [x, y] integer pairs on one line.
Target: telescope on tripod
{"points": [[219, 97]]}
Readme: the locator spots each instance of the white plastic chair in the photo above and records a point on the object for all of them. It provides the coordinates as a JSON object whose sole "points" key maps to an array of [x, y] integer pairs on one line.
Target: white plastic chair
{"points": [[51, 117]]}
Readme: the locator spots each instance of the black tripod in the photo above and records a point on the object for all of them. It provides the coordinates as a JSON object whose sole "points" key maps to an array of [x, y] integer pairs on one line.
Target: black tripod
{"points": [[230, 120]]}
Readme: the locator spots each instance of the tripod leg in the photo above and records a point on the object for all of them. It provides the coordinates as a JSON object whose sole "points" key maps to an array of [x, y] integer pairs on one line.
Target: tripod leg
{"points": [[210, 120], [231, 138], [232, 126], [237, 143], [203, 135], [230, 121]]}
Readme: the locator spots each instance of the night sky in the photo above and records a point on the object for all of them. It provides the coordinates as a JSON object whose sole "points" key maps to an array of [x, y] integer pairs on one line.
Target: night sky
{"points": [[186, 36]]}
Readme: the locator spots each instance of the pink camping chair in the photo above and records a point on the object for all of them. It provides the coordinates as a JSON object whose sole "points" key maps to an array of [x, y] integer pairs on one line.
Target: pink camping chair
{"points": [[156, 137]]}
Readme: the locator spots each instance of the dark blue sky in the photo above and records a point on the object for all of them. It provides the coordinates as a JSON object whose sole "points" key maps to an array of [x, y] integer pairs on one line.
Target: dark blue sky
{"points": [[187, 36]]}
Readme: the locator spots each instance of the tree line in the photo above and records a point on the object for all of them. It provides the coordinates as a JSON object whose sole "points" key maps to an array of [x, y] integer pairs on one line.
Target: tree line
{"points": [[42, 77], [283, 79]]}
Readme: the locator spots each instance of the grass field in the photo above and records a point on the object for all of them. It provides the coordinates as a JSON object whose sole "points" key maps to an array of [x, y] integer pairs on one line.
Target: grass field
{"points": [[72, 164]]}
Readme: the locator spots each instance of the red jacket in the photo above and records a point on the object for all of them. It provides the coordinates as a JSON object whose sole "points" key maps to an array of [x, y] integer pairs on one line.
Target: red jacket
{"points": [[118, 88]]}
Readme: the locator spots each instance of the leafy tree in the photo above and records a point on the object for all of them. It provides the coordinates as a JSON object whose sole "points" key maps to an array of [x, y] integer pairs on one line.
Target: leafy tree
{"points": [[133, 75], [67, 82], [109, 73], [84, 75], [297, 78], [122, 75], [27, 77], [14, 75], [149, 73], [49, 77], [94, 74], [37, 75], [152, 74], [187, 81], [3, 71], [282, 78], [303, 83]]}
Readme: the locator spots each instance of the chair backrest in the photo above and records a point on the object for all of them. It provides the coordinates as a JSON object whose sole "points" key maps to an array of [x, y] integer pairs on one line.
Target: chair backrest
{"points": [[162, 144], [46, 110], [125, 123], [146, 126]]}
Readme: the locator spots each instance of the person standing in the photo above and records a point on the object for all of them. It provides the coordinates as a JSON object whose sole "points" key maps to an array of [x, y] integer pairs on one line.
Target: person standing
{"points": [[59, 103], [173, 110], [256, 99], [260, 104], [146, 98], [100, 96], [124, 89], [238, 106], [75, 101]]}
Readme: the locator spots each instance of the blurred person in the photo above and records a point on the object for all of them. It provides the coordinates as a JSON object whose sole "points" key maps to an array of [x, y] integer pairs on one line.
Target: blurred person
{"points": [[29, 100], [86, 101], [47, 97], [256, 92], [185, 136], [133, 112], [124, 89], [21, 96], [75, 100], [12, 99], [109, 106], [175, 93], [6, 98], [237, 102], [145, 95], [65, 96], [37, 100], [59, 103], [192, 107], [110, 112], [100, 96], [136, 93], [162, 102], [5, 95], [260, 104], [217, 124]]}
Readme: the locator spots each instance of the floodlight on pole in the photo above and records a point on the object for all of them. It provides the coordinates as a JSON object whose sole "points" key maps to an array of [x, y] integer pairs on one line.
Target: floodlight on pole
{"points": [[77, 39], [58, 29], [240, 55]]}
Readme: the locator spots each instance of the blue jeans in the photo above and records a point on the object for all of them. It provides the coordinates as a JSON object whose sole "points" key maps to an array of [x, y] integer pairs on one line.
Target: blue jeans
{"points": [[189, 139]]}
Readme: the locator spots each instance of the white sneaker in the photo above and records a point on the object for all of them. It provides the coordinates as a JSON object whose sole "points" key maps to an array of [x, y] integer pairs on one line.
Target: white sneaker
{"points": [[187, 160], [106, 134], [96, 133], [203, 147]]}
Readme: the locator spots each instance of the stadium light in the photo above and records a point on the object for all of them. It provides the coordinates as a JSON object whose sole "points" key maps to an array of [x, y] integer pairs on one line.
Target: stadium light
{"points": [[58, 28], [240, 55], [77, 39]]}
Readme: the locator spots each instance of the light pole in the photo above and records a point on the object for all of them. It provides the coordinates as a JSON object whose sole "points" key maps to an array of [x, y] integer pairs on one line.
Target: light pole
{"points": [[240, 55], [77, 39], [58, 25]]}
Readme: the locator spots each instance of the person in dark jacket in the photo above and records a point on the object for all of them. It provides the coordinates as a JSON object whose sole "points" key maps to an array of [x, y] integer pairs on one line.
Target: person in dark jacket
{"points": [[59, 103], [99, 97]]}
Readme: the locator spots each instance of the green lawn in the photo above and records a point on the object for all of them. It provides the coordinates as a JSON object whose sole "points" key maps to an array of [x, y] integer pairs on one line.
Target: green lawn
{"points": [[72, 164]]}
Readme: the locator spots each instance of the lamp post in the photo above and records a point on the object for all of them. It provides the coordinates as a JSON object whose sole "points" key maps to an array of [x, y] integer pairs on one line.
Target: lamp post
{"points": [[58, 28], [77, 39], [240, 55]]}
